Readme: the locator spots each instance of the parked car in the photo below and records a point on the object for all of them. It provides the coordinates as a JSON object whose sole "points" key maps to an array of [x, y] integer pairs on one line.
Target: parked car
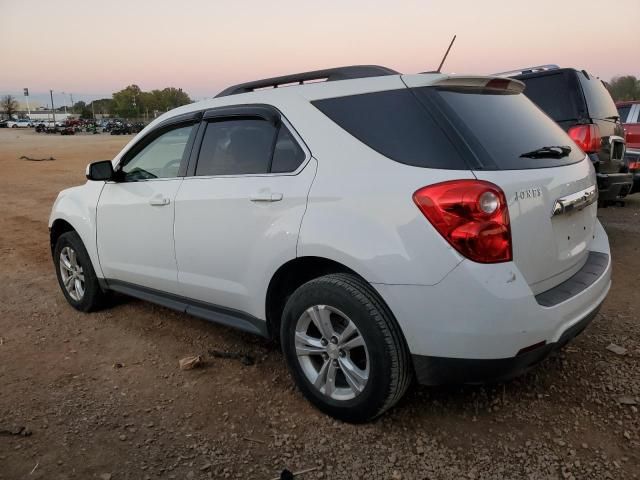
{"points": [[21, 123], [121, 129], [630, 118], [384, 227], [582, 106], [3, 124]]}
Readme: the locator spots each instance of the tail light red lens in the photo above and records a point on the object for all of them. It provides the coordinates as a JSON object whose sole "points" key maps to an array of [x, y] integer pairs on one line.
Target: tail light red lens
{"points": [[471, 215], [634, 165], [587, 137]]}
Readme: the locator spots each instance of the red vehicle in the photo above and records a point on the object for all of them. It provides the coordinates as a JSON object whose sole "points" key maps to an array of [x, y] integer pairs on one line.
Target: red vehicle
{"points": [[630, 118]]}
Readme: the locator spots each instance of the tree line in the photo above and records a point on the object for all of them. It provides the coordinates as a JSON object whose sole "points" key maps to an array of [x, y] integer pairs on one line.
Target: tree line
{"points": [[624, 87], [130, 102]]}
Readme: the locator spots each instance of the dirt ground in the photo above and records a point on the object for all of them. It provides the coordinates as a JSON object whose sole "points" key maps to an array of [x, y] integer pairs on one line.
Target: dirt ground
{"points": [[100, 396]]}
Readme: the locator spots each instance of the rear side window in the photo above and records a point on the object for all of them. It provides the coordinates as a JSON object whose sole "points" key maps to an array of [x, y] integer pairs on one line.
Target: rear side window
{"points": [[394, 124], [623, 111], [247, 146], [554, 94], [502, 130], [599, 101], [287, 154]]}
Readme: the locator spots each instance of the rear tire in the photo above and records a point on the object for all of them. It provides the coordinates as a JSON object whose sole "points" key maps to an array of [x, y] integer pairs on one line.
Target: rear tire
{"points": [[364, 367], [76, 275]]}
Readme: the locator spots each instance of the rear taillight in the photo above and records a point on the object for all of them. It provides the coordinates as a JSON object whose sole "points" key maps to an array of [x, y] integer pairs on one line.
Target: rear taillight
{"points": [[471, 215], [634, 165], [587, 137]]}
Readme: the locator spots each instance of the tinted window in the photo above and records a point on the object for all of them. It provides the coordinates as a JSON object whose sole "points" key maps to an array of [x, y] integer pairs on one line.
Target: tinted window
{"points": [[394, 124], [500, 128], [623, 111], [160, 158], [287, 155], [599, 101], [236, 147], [554, 95]]}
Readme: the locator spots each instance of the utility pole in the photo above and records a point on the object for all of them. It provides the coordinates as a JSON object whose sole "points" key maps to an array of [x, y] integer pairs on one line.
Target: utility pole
{"points": [[26, 96], [71, 95], [53, 109]]}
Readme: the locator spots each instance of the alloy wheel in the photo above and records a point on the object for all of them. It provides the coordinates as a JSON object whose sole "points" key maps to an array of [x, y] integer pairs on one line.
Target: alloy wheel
{"points": [[332, 352], [72, 274]]}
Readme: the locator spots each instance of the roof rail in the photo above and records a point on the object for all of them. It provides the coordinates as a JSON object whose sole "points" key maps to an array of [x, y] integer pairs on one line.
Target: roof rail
{"points": [[327, 75], [520, 71]]}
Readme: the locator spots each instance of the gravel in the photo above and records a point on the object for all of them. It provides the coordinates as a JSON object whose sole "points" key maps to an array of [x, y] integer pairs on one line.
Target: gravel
{"points": [[103, 397]]}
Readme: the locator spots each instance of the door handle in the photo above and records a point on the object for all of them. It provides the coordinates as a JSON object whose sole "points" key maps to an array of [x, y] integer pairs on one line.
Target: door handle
{"points": [[159, 201], [266, 197]]}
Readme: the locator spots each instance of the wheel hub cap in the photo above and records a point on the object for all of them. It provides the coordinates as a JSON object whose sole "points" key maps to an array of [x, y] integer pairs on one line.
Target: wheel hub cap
{"points": [[332, 352], [71, 273]]}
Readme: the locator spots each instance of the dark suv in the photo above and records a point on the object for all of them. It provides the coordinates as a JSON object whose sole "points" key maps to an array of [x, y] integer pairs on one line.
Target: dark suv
{"points": [[582, 106]]}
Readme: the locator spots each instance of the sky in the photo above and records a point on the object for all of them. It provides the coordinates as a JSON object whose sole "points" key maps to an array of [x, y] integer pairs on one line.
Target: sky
{"points": [[92, 48]]}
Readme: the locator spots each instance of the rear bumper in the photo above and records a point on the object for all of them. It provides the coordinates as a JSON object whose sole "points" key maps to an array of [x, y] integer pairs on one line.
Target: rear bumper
{"points": [[487, 315], [636, 182], [614, 186], [442, 370]]}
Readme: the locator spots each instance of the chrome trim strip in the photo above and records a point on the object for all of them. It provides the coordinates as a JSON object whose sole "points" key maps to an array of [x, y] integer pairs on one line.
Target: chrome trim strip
{"points": [[575, 201], [613, 139]]}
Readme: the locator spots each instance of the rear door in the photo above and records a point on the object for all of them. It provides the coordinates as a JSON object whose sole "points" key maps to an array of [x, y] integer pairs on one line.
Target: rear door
{"points": [[239, 211], [504, 133]]}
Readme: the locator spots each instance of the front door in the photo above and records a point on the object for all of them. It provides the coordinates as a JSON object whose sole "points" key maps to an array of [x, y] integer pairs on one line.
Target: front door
{"points": [[136, 213]]}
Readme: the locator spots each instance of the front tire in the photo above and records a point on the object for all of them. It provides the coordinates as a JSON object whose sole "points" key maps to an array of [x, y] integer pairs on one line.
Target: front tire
{"points": [[76, 275], [344, 349]]}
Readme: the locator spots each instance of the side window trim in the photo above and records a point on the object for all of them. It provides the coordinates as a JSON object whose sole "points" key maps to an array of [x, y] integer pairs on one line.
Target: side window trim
{"points": [[234, 113]]}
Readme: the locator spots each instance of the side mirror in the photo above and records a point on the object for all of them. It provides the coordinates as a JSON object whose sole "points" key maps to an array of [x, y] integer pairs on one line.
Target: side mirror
{"points": [[101, 171]]}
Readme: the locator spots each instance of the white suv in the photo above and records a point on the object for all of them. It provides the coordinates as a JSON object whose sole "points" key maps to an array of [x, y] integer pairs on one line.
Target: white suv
{"points": [[384, 227]]}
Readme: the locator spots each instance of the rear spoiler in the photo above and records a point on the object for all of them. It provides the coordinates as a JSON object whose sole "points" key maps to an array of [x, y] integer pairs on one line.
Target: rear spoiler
{"points": [[486, 83]]}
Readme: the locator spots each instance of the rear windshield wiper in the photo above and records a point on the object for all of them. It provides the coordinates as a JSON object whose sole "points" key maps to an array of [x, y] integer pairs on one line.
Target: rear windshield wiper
{"points": [[553, 151]]}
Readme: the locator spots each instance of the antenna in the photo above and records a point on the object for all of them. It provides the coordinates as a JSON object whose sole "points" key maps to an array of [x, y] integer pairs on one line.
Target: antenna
{"points": [[447, 53]]}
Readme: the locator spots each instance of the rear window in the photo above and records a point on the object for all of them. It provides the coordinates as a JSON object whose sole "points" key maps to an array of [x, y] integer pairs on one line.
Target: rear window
{"points": [[554, 94], [599, 101], [394, 124], [452, 129], [502, 130]]}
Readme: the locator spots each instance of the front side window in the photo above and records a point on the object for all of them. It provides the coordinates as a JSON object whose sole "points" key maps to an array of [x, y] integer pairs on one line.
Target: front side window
{"points": [[247, 146], [160, 158]]}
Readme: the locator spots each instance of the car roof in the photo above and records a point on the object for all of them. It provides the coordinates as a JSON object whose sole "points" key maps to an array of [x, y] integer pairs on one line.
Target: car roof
{"points": [[338, 87], [288, 98]]}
